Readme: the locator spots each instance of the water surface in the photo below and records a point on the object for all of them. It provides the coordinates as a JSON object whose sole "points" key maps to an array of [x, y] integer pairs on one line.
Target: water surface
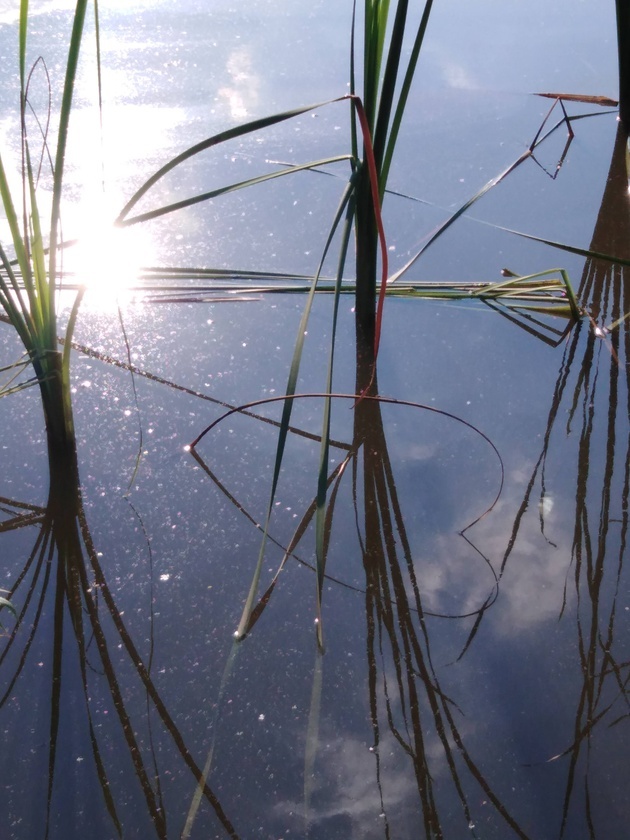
{"points": [[475, 606]]}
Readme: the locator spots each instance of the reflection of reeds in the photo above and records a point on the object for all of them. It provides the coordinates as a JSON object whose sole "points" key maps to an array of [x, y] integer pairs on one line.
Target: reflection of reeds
{"points": [[64, 557], [398, 640], [592, 400], [397, 637]]}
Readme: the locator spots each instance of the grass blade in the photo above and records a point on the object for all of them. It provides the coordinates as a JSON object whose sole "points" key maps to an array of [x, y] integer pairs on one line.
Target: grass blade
{"points": [[239, 185], [215, 140], [460, 212], [323, 479], [286, 413], [62, 139], [404, 95]]}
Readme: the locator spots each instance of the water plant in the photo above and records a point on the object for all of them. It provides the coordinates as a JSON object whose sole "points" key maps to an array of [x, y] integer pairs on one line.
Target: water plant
{"points": [[385, 47], [375, 118], [29, 282]]}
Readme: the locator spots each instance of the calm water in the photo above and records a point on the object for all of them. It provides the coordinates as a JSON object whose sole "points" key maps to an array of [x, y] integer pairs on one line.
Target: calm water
{"points": [[476, 609]]}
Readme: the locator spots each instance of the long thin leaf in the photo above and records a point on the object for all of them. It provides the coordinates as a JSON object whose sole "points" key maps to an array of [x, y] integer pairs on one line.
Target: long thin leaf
{"points": [[322, 480], [440, 229], [287, 410], [388, 88], [239, 185], [19, 244], [18, 315], [76, 37], [404, 95], [37, 291], [215, 140]]}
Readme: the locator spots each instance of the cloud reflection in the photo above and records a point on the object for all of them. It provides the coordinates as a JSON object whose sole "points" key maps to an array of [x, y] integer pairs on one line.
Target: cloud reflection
{"points": [[241, 95]]}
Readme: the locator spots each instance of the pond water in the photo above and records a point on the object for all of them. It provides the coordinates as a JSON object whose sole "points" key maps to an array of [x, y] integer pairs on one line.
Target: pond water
{"points": [[476, 608]]}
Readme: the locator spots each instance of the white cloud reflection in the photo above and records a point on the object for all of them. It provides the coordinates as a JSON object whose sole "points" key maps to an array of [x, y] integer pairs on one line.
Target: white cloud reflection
{"points": [[241, 95], [345, 786]]}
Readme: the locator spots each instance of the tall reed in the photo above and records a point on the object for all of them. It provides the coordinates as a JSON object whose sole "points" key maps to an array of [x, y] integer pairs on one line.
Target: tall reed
{"points": [[387, 79]]}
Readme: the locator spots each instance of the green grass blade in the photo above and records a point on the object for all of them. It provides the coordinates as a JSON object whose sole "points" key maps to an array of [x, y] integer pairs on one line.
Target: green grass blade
{"points": [[617, 323], [323, 479], [239, 185], [561, 246], [376, 15], [97, 39], [286, 413], [67, 347], [14, 370], [37, 290], [22, 42], [403, 96], [18, 315], [4, 602], [19, 244], [215, 140], [6, 390], [390, 77], [459, 212], [62, 140], [353, 83]]}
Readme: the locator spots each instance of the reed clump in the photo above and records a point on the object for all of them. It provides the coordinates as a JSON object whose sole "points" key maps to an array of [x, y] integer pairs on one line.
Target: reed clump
{"points": [[30, 277]]}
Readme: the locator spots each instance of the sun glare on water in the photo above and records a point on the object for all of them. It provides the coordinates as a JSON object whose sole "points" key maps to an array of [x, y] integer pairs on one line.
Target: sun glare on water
{"points": [[107, 261]]}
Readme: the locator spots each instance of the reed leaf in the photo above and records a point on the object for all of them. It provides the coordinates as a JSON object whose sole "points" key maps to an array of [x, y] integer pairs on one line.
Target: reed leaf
{"points": [[37, 290], [215, 140], [286, 415], [322, 480], [403, 96], [239, 185], [19, 244], [62, 139]]}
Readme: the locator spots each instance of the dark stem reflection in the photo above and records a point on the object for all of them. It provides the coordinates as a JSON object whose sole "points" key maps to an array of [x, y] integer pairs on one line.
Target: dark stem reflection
{"points": [[64, 592], [404, 691], [398, 641], [588, 425]]}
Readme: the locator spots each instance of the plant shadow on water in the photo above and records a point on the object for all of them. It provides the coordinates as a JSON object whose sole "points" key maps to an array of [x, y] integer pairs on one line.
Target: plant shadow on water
{"points": [[405, 697]]}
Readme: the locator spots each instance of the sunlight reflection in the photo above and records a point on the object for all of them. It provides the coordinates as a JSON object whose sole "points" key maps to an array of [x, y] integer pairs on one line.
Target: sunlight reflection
{"points": [[106, 260], [10, 12]]}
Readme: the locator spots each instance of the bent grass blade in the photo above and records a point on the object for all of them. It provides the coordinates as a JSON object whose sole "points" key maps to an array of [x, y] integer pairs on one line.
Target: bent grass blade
{"points": [[216, 140], [239, 185]]}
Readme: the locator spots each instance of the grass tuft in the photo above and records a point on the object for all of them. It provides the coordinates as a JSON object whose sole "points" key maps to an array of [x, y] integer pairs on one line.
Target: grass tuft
{"points": [[30, 281]]}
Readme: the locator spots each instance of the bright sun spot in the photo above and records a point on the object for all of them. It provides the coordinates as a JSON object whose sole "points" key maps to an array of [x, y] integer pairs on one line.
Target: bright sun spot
{"points": [[106, 260]]}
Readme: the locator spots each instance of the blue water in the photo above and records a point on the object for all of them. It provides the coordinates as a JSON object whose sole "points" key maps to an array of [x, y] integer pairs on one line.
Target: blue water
{"points": [[474, 611]]}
